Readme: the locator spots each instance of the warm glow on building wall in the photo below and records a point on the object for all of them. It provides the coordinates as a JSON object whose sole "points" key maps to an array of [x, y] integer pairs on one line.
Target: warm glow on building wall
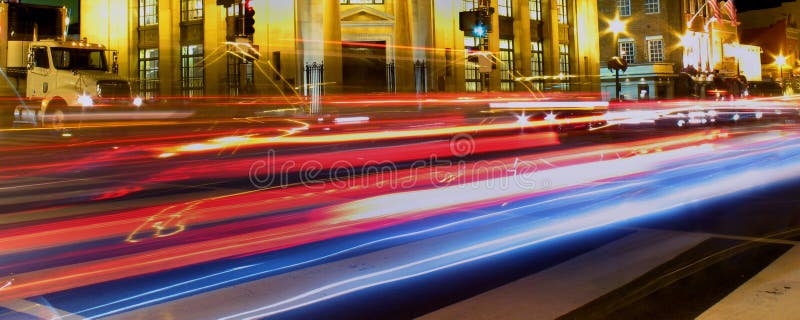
{"points": [[188, 47], [742, 59]]}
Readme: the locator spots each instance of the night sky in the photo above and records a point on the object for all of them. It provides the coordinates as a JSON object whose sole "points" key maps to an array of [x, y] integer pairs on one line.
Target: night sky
{"points": [[744, 5], [72, 5]]}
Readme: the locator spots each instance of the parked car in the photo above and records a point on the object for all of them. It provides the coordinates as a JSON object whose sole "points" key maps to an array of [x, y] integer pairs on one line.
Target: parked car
{"points": [[764, 89]]}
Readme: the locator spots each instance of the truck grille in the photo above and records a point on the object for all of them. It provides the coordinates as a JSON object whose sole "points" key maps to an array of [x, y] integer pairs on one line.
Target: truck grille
{"points": [[113, 89]]}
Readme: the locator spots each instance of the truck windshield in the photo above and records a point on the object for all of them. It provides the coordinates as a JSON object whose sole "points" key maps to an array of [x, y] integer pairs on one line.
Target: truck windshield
{"points": [[78, 59]]}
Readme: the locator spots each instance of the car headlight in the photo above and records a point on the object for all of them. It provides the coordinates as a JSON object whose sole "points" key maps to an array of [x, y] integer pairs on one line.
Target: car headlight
{"points": [[85, 101], [137, 102]]}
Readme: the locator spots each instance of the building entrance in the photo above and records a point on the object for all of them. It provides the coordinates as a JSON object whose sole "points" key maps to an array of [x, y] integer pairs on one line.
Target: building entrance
{"points": [[364, 66]]}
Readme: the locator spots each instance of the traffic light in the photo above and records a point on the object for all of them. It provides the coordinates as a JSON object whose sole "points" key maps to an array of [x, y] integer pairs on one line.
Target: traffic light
{"points": [[249, 20], [476, 23], [479, 30]]}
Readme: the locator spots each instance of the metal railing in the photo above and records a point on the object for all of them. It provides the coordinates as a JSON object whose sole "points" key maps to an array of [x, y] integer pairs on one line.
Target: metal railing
{"points": [[313, 88], [420, 77], [391, 77]]}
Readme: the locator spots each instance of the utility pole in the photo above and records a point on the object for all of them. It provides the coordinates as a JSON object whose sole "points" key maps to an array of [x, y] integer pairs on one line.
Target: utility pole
{"points": [[486, 11]]}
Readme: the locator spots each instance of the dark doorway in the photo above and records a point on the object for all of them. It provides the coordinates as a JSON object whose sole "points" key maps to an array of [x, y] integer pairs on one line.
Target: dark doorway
{"points": [[364, 66]]}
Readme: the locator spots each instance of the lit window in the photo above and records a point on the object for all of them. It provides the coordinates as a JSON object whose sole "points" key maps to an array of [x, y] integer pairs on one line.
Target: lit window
{"points": [[563, 16], [506, 65], [148, 73], [651, 6], [234, 10], [467, 5], [655, 48], [537, 64], [624, 7], [626, 50], [192, 79], [191, 10], [504, 8], [563, 65], [472, 75], [535, 7], [148, 12]]}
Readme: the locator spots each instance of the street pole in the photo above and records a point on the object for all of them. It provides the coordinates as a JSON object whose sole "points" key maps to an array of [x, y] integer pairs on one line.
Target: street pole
{"points": [[784, 81], [485, 76], [618, 87]]}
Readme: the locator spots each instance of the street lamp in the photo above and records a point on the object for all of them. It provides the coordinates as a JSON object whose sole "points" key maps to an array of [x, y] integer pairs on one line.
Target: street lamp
{"points": [[780, 60], [616, 27]]}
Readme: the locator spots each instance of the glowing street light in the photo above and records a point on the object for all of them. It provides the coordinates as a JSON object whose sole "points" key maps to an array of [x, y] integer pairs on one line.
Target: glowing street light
{"points": [[617, 26], [780, 61]]}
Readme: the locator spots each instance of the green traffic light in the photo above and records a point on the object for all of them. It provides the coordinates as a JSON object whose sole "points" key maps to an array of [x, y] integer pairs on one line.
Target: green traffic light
{"points": [[479, 31]]}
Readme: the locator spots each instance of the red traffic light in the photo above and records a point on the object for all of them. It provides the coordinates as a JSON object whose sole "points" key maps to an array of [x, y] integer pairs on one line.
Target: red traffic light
{"points": [[249, 20]]}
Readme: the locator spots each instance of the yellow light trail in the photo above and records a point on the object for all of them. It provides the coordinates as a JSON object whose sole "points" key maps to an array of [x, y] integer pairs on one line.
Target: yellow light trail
{"points": [[290, 138]]}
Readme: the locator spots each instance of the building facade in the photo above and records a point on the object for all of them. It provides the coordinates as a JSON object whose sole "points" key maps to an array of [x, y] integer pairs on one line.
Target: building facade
{"points": [[666, 38], [190, 47], [776, 31], [649, 45]]}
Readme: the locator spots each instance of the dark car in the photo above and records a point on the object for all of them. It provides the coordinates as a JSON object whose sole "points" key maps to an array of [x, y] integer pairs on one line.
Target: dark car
{"points": [[764, 89]]}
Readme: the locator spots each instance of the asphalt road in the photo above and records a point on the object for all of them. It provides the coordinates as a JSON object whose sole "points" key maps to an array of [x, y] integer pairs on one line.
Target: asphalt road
{"points": [[391, 217]]}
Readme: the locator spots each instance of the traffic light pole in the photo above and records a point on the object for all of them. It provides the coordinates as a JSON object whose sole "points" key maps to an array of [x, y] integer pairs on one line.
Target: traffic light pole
{"points": [[486, 75], [485, 7], [478, 21]]}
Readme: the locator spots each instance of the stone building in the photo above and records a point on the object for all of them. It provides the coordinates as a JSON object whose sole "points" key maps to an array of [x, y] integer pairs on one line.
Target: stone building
{"points": [[190, 47], [663, 38]]}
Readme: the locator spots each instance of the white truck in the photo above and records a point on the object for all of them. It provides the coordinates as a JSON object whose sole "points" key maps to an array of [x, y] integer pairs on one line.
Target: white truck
{"points": [[47, 80]]}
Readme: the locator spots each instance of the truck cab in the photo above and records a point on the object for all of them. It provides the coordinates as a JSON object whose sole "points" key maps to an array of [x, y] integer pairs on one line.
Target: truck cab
{"points": [[54, 80], [76, 72], [72, 77]]}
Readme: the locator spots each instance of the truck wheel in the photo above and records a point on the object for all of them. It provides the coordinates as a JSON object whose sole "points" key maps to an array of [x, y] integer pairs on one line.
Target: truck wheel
{"points": [[54, 117]]}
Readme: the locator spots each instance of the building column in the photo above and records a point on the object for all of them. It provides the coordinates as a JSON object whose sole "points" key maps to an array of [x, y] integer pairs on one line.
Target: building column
{"points": [[448, 67], [422, 37], [275, 38], [586, 45], [169, 32], [551, 40], [522, 38], [404, 55], [321, 39], [215, 55]]}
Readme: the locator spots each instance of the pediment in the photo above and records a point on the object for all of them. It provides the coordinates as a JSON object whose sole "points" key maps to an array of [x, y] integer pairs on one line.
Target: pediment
{"points": [[365, 14]]}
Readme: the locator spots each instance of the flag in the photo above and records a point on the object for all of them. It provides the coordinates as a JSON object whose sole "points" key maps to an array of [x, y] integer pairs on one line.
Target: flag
{"points": [[714, 6], [731, 8]]}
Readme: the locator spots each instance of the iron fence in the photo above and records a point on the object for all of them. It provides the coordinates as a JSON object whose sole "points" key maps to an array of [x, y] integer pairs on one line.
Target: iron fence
{"points": [[420, 77], [391, 79], [313, 88]]}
